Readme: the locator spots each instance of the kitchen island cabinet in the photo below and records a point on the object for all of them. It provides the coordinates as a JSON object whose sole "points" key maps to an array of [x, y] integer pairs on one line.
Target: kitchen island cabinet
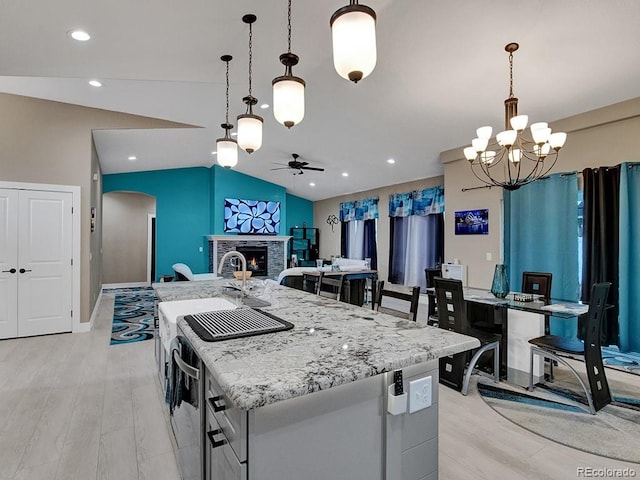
{"points": [[311, 402]]}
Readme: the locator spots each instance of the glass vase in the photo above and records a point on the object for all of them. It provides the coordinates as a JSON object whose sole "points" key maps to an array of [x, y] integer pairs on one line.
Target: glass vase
{"points": [[500, 285]]}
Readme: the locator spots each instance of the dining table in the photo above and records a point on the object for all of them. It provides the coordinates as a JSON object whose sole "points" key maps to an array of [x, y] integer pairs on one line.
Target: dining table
{"points": [[523, 317]]}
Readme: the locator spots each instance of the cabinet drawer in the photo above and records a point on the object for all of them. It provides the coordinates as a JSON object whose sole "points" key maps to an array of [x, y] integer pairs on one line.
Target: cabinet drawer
{"points": [[232, 420], [221, 462]]}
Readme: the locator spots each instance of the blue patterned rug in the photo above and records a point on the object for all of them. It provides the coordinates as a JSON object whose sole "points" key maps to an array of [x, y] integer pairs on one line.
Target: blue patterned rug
{"points": [[553, 410], [133, 319]]}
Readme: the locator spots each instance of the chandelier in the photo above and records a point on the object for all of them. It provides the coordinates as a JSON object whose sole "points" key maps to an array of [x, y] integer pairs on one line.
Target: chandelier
{"points": [[288, 91], [513, 160], [227, 147], [353, 31], [250, 125]]}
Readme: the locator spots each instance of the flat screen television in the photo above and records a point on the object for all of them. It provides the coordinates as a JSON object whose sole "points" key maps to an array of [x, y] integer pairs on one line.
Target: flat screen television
{"points": [[258, 217]]}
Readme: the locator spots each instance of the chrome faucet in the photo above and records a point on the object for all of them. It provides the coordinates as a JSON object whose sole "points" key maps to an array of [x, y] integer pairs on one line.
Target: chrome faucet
{"points": [[234, 253]]}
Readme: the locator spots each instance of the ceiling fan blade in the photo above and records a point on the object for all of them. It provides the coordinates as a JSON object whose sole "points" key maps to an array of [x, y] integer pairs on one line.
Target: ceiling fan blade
{"points": [[280, 168], [313, 168]]}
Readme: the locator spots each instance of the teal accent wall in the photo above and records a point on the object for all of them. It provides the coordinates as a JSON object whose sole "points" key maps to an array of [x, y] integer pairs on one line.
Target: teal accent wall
{"points": [[182, 213], [299, 212], [190, 205], [227, 183]]}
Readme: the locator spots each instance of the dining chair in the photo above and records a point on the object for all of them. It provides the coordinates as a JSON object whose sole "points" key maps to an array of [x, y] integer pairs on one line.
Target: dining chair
{"points": [[537, 283], [455, 371], [328, 286], [310, 282], [552, 346], [432, 312], [409, 296]]}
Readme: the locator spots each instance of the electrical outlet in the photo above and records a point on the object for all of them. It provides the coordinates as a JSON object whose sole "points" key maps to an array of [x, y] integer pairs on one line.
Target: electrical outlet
{"points": [[200, 248], [419, 394], [489, 256]]}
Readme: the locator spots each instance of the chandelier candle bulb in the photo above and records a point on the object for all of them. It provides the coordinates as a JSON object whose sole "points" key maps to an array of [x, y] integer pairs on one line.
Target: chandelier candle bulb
{"points": [[519, 122], [480, 144], [484, 132], [556, 140]]}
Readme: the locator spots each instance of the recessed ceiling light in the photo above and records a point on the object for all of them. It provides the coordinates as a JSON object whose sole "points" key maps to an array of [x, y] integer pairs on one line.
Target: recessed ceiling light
{"points": [[234, 134], [132, 157], [95, 83], [79, 35], [391, 161], [311, 184], [264, 106], [214, 153], [345, 174]]}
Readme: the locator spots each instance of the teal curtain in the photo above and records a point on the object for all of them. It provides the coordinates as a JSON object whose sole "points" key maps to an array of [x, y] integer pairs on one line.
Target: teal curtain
{"points": [[425, 202], [541, 234], [366, 209], [629, 260]]}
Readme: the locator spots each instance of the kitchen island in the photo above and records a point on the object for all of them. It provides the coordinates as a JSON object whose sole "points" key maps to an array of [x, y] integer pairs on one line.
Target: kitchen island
{"points": [[312, 402]]}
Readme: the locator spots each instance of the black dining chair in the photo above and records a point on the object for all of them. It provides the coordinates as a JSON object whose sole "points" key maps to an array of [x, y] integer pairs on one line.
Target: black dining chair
{"points": [[552, 346], [410, 296], [455, 370], [537, 283], [432, 312]]}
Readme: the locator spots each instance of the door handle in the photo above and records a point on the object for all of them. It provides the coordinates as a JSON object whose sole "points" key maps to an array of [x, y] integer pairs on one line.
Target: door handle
{"points": [[22, 270], [13, 270], [216, 443]]}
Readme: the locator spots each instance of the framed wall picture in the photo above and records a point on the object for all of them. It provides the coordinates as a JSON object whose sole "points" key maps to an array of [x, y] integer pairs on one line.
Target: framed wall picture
{"points": [[472, 222]]}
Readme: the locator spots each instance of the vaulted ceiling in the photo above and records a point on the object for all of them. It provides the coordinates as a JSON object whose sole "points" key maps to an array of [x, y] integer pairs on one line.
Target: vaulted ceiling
{"points": [[442, 72]]}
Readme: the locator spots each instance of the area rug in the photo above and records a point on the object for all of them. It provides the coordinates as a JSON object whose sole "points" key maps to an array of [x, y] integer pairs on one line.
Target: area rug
{"points": [[556, 411], [613, 358], [133, 317]]}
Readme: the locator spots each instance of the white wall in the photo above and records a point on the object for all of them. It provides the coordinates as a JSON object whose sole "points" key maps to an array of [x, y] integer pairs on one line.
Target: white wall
{"points": [[125, 236]]}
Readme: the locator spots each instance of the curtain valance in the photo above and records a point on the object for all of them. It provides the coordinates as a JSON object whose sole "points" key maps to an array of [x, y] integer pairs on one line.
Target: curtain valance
{"points": [[418, 202], [365, 209]]}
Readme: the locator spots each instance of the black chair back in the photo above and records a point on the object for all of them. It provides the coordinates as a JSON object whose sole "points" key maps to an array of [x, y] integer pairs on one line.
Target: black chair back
{"points": [[537, 283], [430, 274], [410, 295], [452, 311], [596, 316]]}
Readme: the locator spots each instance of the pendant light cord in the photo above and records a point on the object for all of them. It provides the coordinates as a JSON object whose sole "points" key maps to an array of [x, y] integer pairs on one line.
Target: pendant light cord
{"points": [[510, 74], [289, 21], [227, 94], [250, 55]]}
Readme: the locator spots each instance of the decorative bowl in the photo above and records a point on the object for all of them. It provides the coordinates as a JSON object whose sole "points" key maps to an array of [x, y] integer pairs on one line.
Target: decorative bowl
{"points": [[238, 274]]}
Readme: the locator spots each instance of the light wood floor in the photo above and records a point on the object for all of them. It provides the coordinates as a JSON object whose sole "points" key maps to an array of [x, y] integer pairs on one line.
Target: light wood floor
{"points": [[74, 407]]}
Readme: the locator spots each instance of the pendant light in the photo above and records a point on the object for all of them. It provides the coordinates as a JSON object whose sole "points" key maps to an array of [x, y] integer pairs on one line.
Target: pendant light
{"points": [[288, 91], [227, 147], [250, 125], [353, 30]]}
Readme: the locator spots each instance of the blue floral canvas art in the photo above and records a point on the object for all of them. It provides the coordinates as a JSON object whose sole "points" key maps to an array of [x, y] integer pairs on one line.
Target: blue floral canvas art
{"points": [[251, 216]]}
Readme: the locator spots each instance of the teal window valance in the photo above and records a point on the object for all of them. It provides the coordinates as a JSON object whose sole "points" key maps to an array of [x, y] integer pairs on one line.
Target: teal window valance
{"points": [[418, 202], [366, 209]]}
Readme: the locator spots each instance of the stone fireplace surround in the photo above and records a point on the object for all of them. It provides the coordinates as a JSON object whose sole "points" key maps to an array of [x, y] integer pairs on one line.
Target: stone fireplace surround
{"points": [[276, 248]]}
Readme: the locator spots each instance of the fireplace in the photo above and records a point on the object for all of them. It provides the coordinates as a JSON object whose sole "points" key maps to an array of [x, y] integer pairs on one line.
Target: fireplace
{"points": [[257, 259]]}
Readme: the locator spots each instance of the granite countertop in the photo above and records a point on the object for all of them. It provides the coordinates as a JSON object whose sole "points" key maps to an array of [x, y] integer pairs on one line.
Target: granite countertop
{"points": [[332, 343]]}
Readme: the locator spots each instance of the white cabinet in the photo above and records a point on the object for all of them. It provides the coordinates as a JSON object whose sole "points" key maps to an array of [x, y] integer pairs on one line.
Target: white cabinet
{"points": [[35, 262]]}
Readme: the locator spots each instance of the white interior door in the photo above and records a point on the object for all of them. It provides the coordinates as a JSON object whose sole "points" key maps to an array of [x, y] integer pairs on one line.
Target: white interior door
{"points": [[8, 263], [44, 262]]}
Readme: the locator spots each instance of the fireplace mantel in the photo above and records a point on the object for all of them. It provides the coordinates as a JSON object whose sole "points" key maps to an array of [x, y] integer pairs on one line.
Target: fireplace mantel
{"points": [[219, 244], [252, 238]]}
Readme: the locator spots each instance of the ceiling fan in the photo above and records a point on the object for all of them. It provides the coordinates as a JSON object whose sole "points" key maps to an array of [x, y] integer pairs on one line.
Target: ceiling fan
{"points": [[298, 167]]}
